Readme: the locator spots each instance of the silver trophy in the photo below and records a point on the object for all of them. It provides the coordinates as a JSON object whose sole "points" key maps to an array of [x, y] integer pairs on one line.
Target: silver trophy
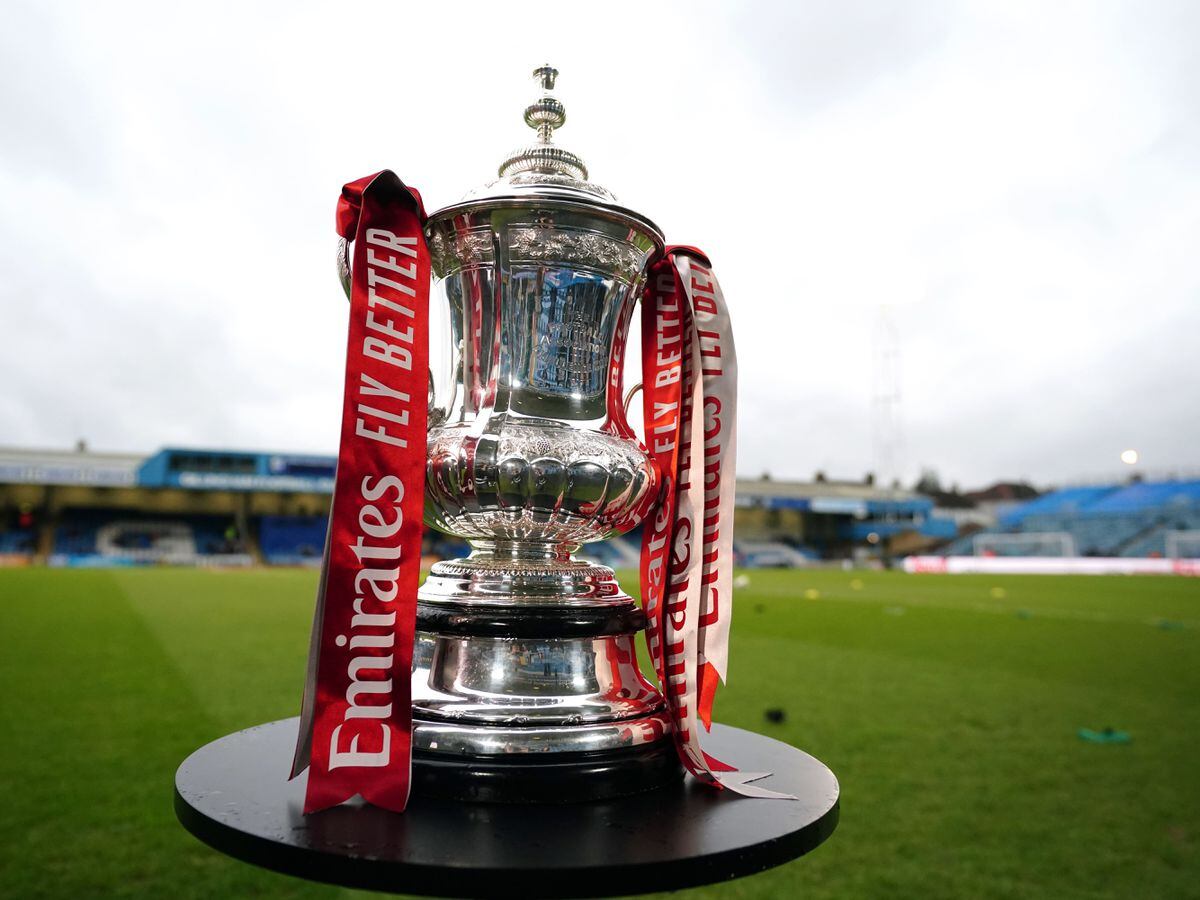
{"points": [[526, 684]]}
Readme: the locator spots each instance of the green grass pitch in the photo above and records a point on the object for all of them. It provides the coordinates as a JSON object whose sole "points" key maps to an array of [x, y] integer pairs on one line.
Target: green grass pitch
{"points": [[949, 706]]}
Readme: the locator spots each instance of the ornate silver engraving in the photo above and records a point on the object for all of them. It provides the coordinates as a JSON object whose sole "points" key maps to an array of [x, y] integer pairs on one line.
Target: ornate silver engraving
{"points": [[516, 568], [450, 253], [537, 243], [526, 483]]}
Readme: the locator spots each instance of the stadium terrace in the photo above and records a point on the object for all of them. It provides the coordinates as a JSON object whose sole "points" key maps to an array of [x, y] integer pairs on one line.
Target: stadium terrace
{"points": [[236, 508]]}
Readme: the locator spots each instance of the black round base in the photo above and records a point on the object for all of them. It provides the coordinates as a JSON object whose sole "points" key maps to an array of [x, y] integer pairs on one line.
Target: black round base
{"points": [[234, 795], [566, 778]]}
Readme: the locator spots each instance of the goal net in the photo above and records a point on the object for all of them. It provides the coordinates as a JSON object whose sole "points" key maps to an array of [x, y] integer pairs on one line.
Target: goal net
{"points": [[1047, 543], [1183, 544]]}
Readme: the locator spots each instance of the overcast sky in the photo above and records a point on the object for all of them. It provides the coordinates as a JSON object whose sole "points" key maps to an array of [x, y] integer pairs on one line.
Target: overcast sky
{"points": [[1017, 185]]}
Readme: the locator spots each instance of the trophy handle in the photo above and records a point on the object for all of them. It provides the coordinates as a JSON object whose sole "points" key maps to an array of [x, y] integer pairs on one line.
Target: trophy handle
{"points": [[343, 265], [346, 277], [629, 398]]}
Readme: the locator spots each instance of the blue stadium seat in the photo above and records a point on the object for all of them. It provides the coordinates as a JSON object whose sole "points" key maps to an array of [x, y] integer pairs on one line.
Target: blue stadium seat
{"points": [[1067, 501], [79, 530], [1150, 496], [292, 540], [1112, 520], [17, 541]]}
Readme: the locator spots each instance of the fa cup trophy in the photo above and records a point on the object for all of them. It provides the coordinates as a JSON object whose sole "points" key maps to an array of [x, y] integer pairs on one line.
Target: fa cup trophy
{"points": [[526, 663], [525, 684]]}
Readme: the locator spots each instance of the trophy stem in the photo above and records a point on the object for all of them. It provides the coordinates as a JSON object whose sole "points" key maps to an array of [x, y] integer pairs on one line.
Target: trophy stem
{"points": [[506, 549]]}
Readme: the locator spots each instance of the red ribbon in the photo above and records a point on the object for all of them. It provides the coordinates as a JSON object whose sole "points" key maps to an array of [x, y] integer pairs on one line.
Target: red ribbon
{"points": [[689, 376], [669, 537], [356, 727]]}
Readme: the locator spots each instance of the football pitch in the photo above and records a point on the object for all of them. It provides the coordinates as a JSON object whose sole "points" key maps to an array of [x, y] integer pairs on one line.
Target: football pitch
{"points": [[950, 707]]}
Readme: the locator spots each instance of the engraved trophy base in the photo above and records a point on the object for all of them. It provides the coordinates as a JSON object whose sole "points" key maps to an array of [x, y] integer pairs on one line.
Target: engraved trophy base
{"points": [[526, 687]]}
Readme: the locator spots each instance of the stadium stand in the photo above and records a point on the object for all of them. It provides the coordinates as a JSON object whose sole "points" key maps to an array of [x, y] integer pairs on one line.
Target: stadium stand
{"points": [[17, 541], [229, 507], [1067, 501], [292, 540], [1110, 520], [1153, 542], [1150, 497], [836, 519], [131, 537]]}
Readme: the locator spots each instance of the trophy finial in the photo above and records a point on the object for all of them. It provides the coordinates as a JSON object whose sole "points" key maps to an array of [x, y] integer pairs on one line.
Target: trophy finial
{"points": [[545, 74], [544, 115], [547, 113]]}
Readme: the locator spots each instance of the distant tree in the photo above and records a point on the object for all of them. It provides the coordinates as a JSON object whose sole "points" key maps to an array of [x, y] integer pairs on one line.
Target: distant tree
{"points": [[820, 478], [869, 480], [928, 483]]}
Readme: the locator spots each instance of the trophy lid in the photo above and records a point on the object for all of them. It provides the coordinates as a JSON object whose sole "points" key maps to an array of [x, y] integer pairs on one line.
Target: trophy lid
{"points": [[544, 176], [543, 168]]}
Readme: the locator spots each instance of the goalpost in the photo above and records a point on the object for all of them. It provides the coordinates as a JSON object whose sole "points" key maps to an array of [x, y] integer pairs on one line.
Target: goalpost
{"points": [[1044, 543], [1183, 544]]}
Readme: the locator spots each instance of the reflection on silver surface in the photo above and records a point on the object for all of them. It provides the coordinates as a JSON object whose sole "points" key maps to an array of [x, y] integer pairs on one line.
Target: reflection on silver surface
{"points": [[475, 740], [533, 443], [523, 682]]}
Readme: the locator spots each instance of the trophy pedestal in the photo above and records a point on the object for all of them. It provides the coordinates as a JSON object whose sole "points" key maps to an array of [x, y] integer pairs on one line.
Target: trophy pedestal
{"points": [[526, 686], [234, 795]]}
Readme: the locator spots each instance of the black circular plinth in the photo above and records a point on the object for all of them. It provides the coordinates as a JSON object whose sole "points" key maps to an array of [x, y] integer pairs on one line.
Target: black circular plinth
{"points": [[233, 795]]}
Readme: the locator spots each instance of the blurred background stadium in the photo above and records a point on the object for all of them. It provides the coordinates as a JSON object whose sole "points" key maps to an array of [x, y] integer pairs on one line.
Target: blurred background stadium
{"points": [[234, 508]]}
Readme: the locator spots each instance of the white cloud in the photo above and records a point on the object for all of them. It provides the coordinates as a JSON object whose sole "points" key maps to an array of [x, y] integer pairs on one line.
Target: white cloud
{"points": [[1018, 183]]}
